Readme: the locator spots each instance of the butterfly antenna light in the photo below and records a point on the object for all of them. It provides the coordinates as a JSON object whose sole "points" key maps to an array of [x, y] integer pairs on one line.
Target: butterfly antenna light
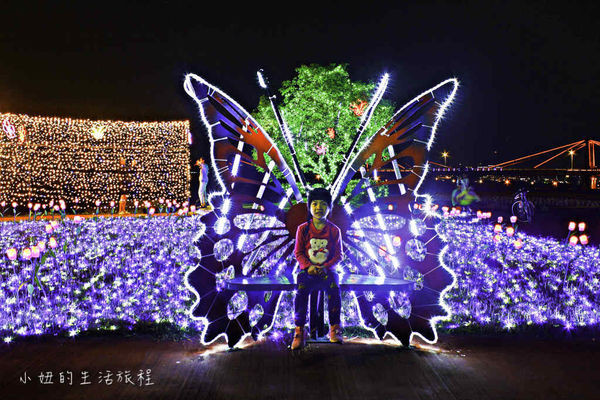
{"points": [[262, 81], [364, 122]]}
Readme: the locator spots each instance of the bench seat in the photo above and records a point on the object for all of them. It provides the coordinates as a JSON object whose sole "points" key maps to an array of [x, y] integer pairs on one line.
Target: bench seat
{"points": [[347, 282], [317, 312]]}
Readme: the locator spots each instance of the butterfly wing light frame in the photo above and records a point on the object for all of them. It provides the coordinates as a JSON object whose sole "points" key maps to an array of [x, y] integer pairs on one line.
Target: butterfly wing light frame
{"points": [[377, 205]]}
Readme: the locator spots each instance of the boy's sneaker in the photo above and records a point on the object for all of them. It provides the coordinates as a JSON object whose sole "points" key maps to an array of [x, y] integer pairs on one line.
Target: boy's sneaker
{"points": [[298, 342], [335, 334]]}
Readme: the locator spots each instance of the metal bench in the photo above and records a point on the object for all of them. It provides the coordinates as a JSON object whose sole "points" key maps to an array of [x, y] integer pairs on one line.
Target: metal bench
{"points": [[317, 305]]}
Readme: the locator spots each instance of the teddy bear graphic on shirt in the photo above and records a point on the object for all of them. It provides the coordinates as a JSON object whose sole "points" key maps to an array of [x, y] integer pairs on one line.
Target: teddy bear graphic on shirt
{"points": [[318, 251]]}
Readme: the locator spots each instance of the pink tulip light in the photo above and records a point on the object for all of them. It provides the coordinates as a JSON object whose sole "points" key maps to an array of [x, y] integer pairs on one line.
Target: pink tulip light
{"points": [[573, 240], [41, 245], [498, 228], [510, 231], [500, 219], [513, 219], [97, 203], [151, 210], [35, 252], [581, 226], [583, 239], [52, 243], [14, 204], [518, 244], [26, 254], [11, 254], [77, 219], [48, 228], [572, 226]]}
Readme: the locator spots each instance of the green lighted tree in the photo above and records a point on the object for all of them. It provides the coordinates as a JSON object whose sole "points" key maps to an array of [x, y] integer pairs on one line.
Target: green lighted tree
{"points": [[322, 108]]}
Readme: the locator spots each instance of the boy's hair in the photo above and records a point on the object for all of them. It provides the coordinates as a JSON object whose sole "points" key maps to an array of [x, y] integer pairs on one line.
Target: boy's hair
{"points": [[316, 194], [319, 194]]}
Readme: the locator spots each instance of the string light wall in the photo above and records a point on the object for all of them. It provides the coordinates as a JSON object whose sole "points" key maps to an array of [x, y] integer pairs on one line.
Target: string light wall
{"points": [[81, 161]]}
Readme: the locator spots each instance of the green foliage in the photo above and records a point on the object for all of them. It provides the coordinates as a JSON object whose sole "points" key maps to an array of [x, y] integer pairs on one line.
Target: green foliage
{"points": [[310, 104]]}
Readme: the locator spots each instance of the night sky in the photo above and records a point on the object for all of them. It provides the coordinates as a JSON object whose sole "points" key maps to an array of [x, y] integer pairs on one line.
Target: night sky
{"points": [[529, 71]]}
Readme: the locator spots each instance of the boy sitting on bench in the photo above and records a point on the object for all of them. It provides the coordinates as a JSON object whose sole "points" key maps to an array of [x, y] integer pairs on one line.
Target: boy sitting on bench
{"points": [[318, 250]]}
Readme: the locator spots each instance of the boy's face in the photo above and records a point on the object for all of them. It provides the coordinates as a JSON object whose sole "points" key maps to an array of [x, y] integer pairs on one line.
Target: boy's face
{"points": [[319, 209]]}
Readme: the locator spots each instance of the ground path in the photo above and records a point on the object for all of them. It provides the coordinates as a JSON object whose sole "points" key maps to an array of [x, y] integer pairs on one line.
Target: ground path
{"points": [[457, 367]]}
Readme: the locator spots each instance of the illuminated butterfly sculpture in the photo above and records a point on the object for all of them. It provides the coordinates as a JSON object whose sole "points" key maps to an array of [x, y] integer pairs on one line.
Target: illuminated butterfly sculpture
{"points": [[388, 228]]}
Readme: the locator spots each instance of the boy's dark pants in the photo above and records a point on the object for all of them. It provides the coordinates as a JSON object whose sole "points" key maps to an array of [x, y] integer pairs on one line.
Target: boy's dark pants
{"points": [[328, 282]]}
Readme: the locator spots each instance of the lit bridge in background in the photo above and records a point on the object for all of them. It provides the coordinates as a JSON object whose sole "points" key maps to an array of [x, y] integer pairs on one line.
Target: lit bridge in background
{"points": [[522, 166]]}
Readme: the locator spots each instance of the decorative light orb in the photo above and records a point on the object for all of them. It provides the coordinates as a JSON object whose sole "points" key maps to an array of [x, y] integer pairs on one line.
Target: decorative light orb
{"points": [[268, 296], [237, 305], [223, 249], [411, 274], [223, 276], [415, 249], [397, 241], [390, 207], [256, 314], [380, 314], [400, 303], [417, 227], [222, 226]]}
